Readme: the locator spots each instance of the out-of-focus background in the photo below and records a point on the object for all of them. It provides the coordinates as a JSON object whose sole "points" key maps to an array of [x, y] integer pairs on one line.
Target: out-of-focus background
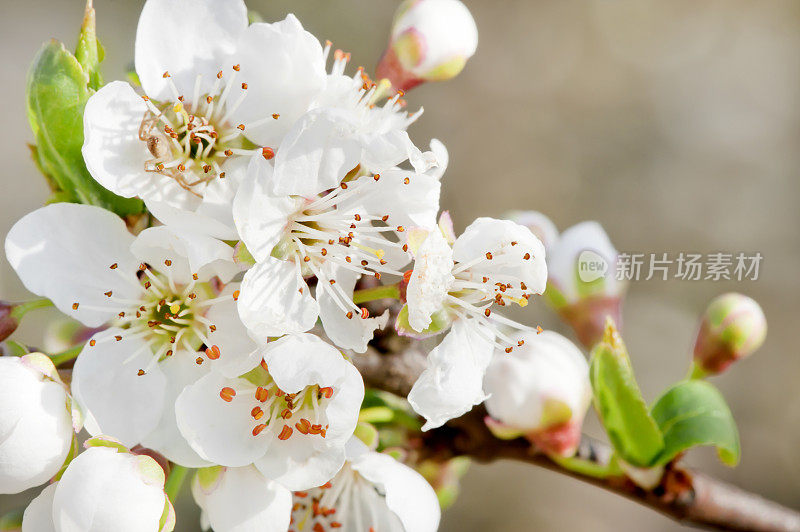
{"points": [[674, 123]]}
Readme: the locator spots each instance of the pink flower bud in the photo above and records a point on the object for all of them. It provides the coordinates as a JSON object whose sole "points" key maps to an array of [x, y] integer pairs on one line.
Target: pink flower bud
{"points": [[8, 323], [733, 327], [431, 41]]}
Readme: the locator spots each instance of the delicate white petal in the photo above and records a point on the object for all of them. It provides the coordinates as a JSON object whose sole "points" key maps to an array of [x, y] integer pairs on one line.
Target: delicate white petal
{"points": [[347, 333], [539, 224], [274, 300], [213, 215], [508, 260], [542, 383], [563, 258], [180, 371], [430, 281], [260, 217], [388, 149], [114, 153], [219, 430], [316, 154], [413, 204], [407, 493], [186, 38], [301, 464], [187, 252], [103, 490], [441, 158], [452, 382], [38, 516], [35, 426], [239, 354], [117, 400], [284, 69], [243, 500], [64, 252]]}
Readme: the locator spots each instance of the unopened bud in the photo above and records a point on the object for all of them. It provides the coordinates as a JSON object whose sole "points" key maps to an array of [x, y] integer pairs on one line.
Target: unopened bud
{"points": [[8, 322], [431, 41], [582, 285], [733, 327], [540, 390]]}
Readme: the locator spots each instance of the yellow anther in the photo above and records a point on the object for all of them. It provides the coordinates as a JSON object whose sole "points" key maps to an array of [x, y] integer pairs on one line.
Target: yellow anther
{"points": [[174, 308]]}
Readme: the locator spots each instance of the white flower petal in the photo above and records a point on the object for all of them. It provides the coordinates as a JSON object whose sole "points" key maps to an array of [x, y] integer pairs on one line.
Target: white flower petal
{"points": [[186, 38], [218, 430], [413, 204], [114, 153], [496, 237], [117, 400], [64, 252], [284, 68], [274, 300], [103, 489], [407, 493], [347, 333], [180, 371], [430, 281], [188, 253], [239, 354], [260, 217], [35, 426], [452, 382], [38, 516], [539, 224], [316, 153], [243, 500]]}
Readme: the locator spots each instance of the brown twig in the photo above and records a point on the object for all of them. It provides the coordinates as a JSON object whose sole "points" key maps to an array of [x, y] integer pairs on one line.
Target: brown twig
{"points": [[687, 496]]}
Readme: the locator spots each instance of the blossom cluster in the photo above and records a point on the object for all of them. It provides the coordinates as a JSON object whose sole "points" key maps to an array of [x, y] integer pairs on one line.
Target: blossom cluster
{"points": [[284, 195]]}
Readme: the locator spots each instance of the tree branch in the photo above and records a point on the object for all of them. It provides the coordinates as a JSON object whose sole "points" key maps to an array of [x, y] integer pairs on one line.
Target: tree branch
{"points": [[684, 495]]}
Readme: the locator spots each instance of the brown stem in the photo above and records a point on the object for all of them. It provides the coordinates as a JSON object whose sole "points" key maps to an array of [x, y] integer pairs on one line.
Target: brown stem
{"points": [[684, 495]]}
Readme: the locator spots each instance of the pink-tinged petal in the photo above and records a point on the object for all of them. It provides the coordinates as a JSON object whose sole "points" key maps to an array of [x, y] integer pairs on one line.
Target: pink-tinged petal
{"points": [[186, 38], [65, 252]]}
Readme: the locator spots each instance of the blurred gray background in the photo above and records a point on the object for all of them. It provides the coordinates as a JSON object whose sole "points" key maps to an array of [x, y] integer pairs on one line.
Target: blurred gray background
{"points": [[672, 122]]}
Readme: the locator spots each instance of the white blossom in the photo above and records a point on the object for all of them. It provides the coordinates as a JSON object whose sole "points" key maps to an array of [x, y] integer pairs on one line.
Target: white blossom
{"points": [[37, 424], [291, 416], [161, 297], [540, 390]]}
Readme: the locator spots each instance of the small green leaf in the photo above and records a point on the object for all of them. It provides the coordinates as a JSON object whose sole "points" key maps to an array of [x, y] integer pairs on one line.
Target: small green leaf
{"points": [[376, 414], [632, 430], [57, 91], [694, 413], [89, 52]]}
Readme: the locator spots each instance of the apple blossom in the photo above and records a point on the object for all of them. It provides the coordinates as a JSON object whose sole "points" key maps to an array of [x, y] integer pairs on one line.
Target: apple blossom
{"points": [[494, 262], [217, 93], [373, 491], [158, 294], [431, 41], [291, 416], [104, 488], [37, 422], [541, 391], [583, 286], [733, 327], [335, 231], [241, 499]]}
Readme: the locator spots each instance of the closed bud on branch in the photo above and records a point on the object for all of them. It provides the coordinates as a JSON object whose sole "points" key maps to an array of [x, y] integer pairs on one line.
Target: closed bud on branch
{"points": [[540, 390], [582, 285], [8, 322], [733, 327], [431, 40]]}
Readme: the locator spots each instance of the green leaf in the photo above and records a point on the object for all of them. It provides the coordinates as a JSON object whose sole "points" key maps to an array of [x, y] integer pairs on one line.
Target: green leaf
{"points": [[57, 91], [694, 413], [89, 52], [632, 430]]}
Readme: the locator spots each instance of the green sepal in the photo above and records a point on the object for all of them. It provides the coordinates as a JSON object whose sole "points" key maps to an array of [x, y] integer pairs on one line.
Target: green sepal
{"points": [[440, 321], [56, 94], [106, 441], [694, 413], [631, 429]]}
